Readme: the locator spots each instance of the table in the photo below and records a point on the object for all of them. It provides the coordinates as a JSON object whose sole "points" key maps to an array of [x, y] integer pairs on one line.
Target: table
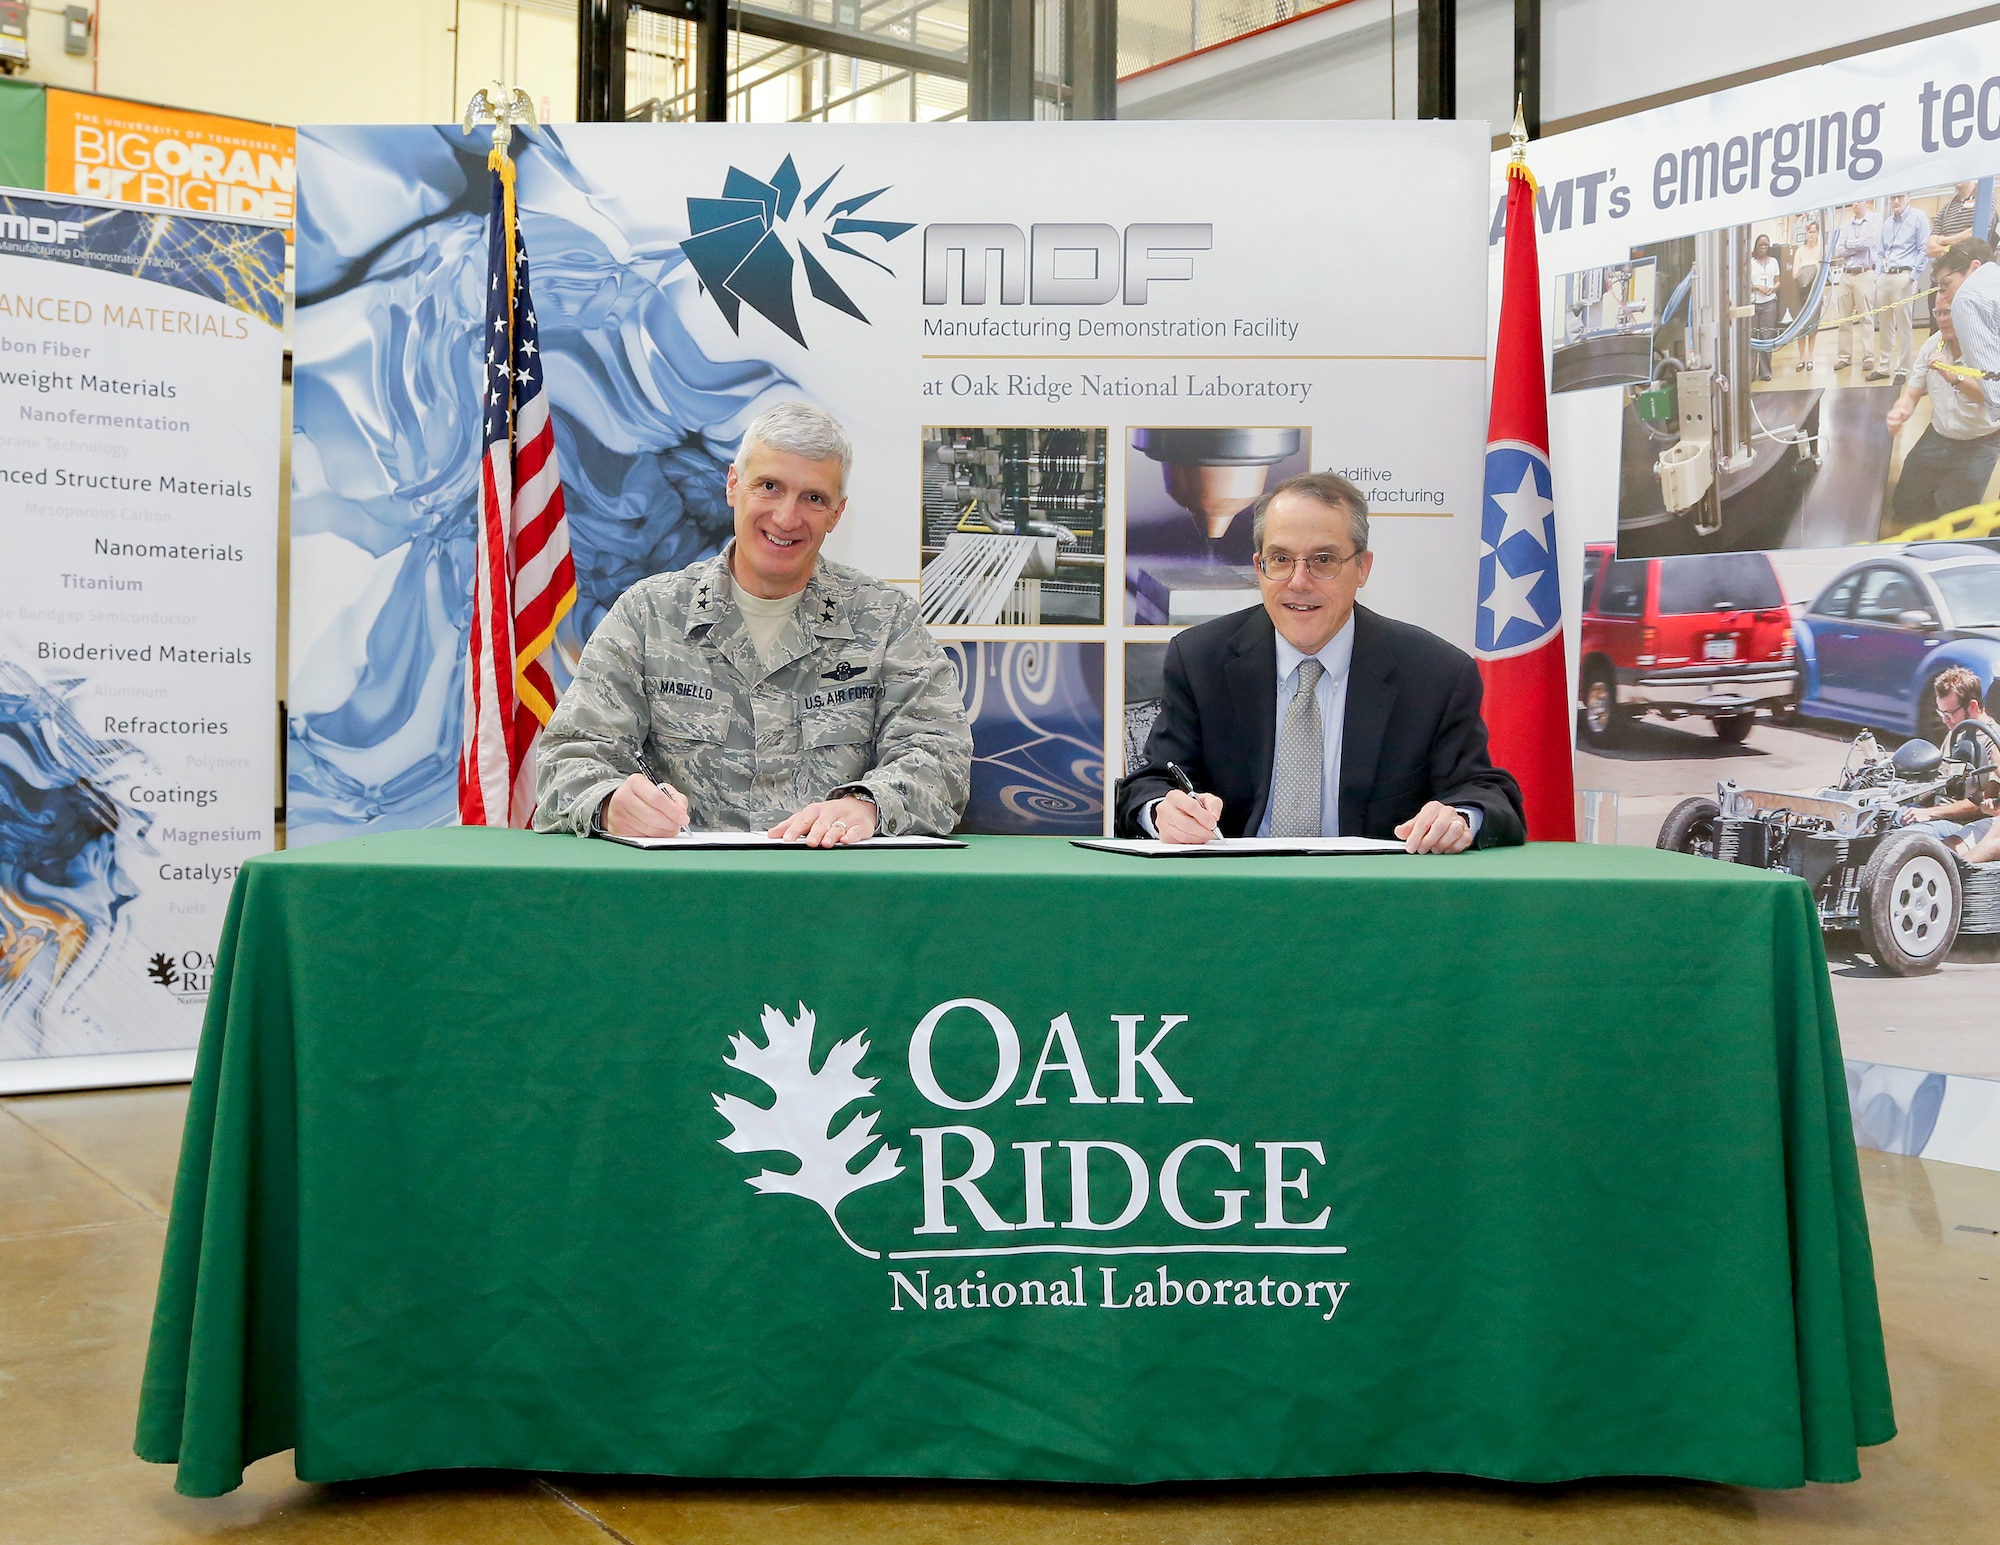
{"points": [[456, 1191]]}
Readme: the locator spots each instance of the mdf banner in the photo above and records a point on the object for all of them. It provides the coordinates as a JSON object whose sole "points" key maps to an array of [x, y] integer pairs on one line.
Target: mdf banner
{"points": [[1071, 357], [140, 367]]}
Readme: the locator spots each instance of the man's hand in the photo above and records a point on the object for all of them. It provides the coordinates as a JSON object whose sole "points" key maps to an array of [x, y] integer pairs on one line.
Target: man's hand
{"points": [[1899, 415], [1187, 818], [829, 823], [1436, 829], [642, 808]]}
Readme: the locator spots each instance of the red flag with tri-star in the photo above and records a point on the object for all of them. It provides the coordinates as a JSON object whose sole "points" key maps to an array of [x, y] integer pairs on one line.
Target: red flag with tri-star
{"points": [[524, 581], [1519, 629]]}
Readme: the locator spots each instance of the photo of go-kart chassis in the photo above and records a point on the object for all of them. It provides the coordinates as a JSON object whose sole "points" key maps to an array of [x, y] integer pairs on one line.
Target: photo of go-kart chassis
{"points": [[1907, 893]]}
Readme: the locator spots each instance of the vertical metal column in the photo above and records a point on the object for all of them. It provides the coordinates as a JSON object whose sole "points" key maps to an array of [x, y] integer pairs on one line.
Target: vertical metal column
{"points": [[600, 61], [711, 61], [1528, 63], [1091, 57], [1000, 59], [1437, 58]]}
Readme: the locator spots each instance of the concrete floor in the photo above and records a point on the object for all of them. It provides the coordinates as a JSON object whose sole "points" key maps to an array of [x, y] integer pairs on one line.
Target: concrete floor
{"points": [[85, 1181]]}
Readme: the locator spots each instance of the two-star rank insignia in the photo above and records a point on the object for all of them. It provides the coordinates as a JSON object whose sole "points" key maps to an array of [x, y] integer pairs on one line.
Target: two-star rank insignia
{"points": [[826, 614], [847, 670]]}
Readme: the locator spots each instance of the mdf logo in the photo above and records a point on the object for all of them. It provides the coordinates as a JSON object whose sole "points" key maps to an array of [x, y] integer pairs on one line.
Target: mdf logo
{"points": [[750, 247], [1062, 263], [46, 232]]}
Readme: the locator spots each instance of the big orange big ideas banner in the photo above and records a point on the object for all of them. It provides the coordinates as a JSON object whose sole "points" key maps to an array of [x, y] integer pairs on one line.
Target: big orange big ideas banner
{"points": [[104, 147]]}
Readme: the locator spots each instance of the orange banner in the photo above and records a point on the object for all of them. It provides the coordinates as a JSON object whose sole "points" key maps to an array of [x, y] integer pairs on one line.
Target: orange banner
{"points": [[105, 147]]}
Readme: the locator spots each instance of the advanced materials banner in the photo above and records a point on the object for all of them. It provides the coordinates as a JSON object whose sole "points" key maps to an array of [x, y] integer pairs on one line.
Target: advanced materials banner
{"points": [[139, 414], [1070, 360]]}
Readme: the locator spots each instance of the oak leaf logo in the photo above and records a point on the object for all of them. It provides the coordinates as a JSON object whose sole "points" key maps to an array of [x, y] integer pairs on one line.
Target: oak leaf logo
{"points": [[161, 969], [799, 1117]]}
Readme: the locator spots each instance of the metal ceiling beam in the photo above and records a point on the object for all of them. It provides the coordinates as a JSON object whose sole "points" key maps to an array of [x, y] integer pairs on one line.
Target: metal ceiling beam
{"points": [[1437, 58], [711, 61], [600, 61], [1528, 63], [1000, 55], [754, 21], [1090, 57]]}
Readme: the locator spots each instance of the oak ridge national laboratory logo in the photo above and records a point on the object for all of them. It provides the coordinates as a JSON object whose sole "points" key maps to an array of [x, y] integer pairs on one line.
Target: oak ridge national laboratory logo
{"points": [[188, 975], [744, 245], [1149, 1224], [800, 1113]]}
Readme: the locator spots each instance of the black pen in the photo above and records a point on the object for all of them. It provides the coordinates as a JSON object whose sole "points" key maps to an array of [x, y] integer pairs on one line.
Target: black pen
{"points": [[1187, 788]]}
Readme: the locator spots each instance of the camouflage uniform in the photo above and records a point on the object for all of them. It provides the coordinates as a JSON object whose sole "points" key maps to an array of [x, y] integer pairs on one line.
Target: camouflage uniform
{"points": [[858, 697]]}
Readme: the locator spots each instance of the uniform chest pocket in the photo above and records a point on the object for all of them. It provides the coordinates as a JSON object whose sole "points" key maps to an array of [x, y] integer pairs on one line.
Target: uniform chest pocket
{"points": [[845, 726], [685, 713]]}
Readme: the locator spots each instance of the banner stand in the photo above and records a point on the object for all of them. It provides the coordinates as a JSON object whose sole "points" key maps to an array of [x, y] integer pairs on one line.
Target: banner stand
{"points": [[113, 1070]]}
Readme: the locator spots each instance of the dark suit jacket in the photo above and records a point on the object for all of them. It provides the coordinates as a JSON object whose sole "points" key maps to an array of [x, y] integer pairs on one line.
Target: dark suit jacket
{"points": [[1412, 731]]}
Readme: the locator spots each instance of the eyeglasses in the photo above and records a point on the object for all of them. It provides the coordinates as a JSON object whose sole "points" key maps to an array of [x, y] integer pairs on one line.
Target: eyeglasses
{"points": [[1278, 566]]}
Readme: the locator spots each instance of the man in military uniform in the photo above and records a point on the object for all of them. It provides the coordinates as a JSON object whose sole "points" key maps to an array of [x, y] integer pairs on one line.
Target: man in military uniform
{"points": [[765, 689]]}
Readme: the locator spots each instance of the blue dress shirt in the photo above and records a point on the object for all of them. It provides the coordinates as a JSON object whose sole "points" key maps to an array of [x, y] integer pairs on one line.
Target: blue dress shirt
{"points": [[1975, 318], [1904, 240], [1334, 656], [1854, 244]]}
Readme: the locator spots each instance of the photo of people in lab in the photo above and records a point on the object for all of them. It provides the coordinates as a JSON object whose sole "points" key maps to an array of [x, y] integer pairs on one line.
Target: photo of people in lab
{"points": [[1810, 380]]}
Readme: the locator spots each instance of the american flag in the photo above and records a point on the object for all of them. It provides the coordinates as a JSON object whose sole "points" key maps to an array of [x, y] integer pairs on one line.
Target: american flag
{"points": [[525, 581]]}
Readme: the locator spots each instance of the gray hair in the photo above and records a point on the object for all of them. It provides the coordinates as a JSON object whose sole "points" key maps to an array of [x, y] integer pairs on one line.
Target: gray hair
{"points": [[1331, 490], [799, 429]]}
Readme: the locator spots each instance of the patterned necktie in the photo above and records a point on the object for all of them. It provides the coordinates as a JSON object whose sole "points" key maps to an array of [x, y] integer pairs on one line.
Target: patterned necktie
{"points": [[1296, 800]]}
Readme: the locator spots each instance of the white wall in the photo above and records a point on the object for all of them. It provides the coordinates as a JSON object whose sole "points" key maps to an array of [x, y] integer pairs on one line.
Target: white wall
{"points": [[318, 61], [1596, 54]]}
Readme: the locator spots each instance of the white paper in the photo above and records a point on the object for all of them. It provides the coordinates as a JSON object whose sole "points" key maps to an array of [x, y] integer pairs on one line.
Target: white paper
{"points": [[694, 839], [1246, 847]]}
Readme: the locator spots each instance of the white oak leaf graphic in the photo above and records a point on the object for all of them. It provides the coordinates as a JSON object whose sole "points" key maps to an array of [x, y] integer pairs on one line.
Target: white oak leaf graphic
{"points": [[799, 1117]]}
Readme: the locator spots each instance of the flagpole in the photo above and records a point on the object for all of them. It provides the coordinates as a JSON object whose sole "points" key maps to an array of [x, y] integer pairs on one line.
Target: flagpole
{"points": [[1519, 623], [524, 581]]}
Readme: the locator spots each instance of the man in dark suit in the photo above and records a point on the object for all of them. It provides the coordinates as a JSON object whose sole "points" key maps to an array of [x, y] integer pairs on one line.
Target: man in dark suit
{"points": [[1312, 716]]}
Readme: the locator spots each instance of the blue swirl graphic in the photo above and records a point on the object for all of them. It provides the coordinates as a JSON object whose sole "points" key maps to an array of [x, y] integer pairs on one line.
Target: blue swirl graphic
{"points": [[63, 839], [391, 253], [1037, 712]]}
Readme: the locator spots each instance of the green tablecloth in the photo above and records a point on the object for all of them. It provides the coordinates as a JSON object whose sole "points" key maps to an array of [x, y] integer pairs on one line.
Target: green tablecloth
{"points": [[455, 1189]]}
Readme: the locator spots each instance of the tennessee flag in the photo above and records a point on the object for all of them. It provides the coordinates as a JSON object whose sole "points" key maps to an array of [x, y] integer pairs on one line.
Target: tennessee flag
{"points": [[1519, 632]]}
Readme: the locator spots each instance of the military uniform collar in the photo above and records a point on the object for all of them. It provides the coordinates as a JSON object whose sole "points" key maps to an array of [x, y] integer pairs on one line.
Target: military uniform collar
{"points": [[822, 610], [711, 601]]}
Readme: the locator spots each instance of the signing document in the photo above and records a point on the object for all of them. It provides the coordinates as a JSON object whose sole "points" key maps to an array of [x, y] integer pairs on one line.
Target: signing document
{"points": [[691, 839], [1246, 847]]}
